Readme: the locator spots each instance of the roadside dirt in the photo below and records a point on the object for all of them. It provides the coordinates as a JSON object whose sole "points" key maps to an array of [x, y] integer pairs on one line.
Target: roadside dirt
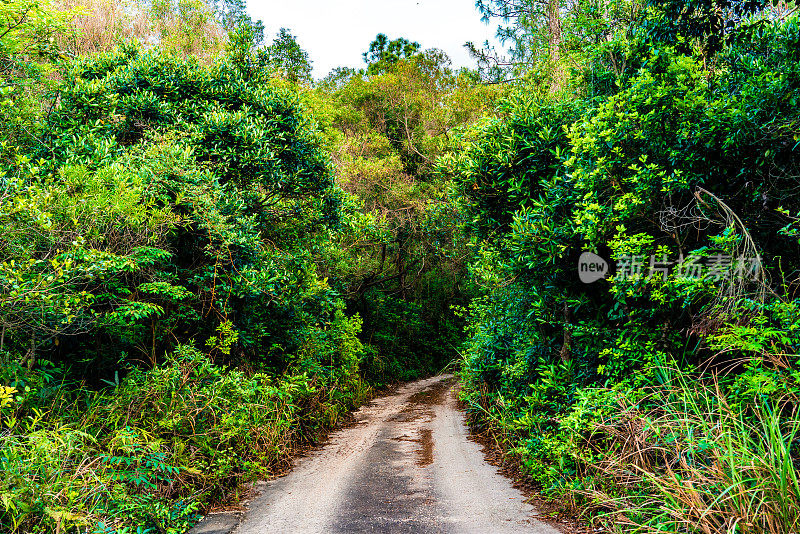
{"points": [[407, 465]]}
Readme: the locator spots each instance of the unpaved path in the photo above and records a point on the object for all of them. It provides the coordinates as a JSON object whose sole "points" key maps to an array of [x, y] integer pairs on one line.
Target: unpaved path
{"points": [[406, 466]]}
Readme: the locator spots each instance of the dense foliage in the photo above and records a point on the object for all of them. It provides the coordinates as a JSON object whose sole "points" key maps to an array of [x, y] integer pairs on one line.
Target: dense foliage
{"points": [[207, 258], [401, 266], [645, 397], [190, 245], [166, 202]]}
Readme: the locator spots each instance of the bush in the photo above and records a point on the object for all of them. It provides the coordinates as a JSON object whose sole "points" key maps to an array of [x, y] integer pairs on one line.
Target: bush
{"points": [[147, 455], [170, 205], [681, 161]]}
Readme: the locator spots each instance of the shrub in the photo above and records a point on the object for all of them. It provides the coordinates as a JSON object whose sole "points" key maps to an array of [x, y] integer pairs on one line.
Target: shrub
{"points": [[149, 453]]}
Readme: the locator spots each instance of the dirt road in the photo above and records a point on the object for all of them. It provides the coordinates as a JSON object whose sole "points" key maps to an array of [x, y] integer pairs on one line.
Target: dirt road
{"points": [[406, 466]]}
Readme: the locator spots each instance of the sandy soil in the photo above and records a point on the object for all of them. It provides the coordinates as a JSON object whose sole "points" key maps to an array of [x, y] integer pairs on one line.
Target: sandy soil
{"points": [[405, 467]]}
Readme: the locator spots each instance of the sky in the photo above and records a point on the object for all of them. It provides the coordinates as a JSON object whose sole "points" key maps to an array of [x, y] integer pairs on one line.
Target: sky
{"points": [[336, 33]]}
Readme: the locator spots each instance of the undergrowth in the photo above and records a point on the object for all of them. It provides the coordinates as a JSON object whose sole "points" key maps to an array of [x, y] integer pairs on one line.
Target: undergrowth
{"points": [[149, 454], [682, 456]]}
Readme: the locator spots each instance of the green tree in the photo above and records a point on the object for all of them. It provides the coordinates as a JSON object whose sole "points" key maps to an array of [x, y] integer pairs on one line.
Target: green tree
{"points": [[286, 57], [399, 263], [233, 13], [188, 27], [546, 39], [704, 24], [693, 156], [383, 53], [231, 151], [29, 49]]}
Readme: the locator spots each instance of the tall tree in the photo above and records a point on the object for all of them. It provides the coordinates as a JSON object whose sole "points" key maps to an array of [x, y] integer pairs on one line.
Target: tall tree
{"points": [[233, 13], [549, 37], [705, 24], [286, 56], [531, 29], [383, 53]]}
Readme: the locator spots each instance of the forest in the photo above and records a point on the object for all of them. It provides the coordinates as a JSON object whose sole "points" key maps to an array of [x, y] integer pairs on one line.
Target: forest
{"points": [[208, 258]]}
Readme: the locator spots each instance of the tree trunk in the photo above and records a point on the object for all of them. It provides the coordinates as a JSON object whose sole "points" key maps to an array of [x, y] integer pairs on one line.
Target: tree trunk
{"points": [[31, 356], [566, 348], [554, 38]]}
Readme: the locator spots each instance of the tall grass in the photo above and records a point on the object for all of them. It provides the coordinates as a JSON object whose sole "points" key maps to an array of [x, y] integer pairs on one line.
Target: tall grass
{"points": [[693, 463]]}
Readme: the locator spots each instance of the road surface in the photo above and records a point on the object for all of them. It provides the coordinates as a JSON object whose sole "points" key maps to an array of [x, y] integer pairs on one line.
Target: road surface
{"points": [[405, 467]]}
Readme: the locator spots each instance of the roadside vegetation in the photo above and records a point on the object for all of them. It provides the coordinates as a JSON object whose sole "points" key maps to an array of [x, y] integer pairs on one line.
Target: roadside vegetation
{"points": [[207, 257], [662, 137]]}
